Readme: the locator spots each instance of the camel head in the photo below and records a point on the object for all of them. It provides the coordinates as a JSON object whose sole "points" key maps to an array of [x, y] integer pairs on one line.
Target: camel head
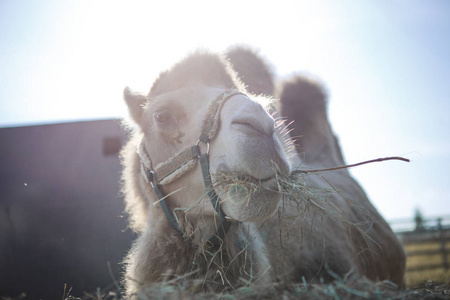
{"points": [[246, 155]]}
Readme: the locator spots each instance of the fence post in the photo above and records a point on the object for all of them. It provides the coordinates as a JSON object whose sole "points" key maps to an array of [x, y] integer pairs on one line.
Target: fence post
{"points": [[443, 250]]}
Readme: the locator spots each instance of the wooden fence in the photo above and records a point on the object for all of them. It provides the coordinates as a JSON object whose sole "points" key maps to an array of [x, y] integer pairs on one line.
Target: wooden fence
{"points": [[427, 248]]}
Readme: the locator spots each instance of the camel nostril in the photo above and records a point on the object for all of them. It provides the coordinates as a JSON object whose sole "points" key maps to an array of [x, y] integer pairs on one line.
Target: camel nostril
{"points": [[251, 117], [251, 127], [265, 125]]}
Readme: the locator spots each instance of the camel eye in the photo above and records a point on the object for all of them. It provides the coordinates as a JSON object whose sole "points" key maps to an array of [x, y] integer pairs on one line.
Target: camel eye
{"points": [[164, 118]]}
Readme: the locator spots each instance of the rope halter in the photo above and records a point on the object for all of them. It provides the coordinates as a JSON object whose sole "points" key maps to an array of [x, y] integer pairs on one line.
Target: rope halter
{"points": [[175, 167]]}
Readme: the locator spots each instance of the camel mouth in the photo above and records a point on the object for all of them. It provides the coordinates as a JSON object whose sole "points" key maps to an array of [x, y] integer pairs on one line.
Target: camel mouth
{"points": [[248, 199], [235, 179]]}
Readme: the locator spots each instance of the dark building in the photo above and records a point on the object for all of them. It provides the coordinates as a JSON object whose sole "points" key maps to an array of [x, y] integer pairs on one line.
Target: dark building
{"points": [[61, 212]]}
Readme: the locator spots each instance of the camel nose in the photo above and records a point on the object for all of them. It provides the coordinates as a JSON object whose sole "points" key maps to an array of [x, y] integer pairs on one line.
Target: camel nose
{"points": [[253, 117], [256, 134]]}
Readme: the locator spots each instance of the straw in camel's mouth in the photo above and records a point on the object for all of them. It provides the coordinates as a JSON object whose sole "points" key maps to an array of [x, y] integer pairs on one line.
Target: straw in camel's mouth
{"points": [[242, 183]]}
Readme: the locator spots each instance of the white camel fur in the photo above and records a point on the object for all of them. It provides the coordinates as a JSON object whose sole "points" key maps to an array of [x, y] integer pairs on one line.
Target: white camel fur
{"points": [[285, 226]]}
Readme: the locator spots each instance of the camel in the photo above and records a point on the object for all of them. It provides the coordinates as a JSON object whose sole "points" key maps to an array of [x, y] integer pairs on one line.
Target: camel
{"points": [[214, 189]]}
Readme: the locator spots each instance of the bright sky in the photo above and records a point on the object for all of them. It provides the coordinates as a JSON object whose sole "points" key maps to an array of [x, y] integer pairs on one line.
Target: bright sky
{"points": [[386, 65]]}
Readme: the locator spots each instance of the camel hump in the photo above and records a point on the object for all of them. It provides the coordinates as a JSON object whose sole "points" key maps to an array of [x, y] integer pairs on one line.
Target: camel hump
{"points": [[303, 102], [253, 69], [302, 98]]}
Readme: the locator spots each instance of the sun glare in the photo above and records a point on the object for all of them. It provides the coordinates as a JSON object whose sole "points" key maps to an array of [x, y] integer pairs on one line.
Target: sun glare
{"points": [[117, 44]]}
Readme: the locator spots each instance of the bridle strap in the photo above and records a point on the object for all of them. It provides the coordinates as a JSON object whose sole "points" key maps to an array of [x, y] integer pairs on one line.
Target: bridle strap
{"points": [[224, 225], [177, 162], [170, 217], [221, 230], [211, 123], [162, 171]]}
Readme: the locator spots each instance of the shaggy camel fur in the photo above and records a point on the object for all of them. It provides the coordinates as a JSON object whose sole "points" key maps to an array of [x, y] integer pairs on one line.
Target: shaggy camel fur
{"points": [[284, 225], [252, 69]]}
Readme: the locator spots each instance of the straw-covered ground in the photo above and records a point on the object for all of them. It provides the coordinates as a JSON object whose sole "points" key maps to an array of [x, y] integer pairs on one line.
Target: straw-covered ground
{"points": [[339, 289], [351, 288]]}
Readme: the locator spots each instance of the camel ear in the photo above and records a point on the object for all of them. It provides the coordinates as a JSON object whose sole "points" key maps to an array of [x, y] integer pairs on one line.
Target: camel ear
{"points": [[135, 103]]}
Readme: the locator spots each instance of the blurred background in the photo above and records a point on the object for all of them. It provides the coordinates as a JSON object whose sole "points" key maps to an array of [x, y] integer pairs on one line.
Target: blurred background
{"points": [[385, 65]]}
